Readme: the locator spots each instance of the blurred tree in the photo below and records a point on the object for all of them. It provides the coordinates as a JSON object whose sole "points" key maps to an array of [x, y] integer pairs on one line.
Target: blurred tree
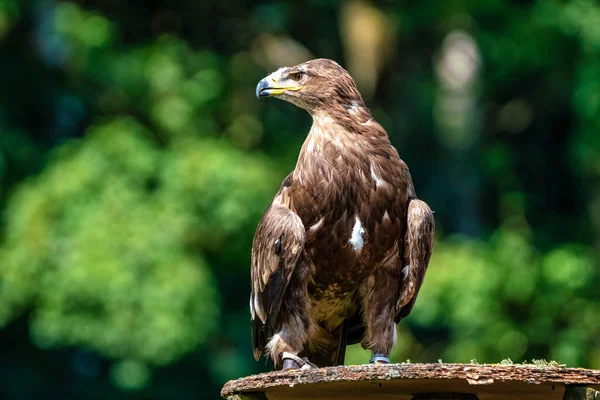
{"points": [[135, 163]]}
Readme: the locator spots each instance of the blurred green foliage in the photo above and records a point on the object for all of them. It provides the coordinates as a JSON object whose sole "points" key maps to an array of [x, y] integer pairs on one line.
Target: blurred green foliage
{"points": [[135, 163]]}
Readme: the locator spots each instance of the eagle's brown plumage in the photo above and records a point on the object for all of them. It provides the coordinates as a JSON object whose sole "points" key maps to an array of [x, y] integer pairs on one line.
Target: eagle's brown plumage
{"points": [[340, 254]]}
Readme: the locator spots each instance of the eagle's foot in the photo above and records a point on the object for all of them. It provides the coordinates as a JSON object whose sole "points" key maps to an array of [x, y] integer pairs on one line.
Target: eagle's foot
{"points": [[292, 361], [379, 358]]}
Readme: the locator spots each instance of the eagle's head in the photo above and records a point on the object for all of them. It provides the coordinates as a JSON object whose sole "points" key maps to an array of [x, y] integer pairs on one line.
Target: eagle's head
{"points": [[312, 85]]}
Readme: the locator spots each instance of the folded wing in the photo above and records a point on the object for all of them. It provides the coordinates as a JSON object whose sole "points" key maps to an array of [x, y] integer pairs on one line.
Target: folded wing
{"points": [[278, 244], [419, 241]]}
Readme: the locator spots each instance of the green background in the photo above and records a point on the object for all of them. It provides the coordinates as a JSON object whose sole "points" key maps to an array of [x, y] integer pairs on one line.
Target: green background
{"points": [[135, 163]]}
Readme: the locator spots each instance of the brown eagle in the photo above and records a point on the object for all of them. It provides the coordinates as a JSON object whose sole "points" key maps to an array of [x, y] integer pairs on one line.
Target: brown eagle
{"points": [[340, 254]]}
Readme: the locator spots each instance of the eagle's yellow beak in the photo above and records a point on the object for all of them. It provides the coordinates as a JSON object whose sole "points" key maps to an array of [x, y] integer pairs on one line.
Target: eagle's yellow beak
{"points": [[275, 84]]}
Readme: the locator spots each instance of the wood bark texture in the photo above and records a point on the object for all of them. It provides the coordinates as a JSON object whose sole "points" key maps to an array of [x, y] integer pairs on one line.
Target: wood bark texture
{"points": [[409, 381]]}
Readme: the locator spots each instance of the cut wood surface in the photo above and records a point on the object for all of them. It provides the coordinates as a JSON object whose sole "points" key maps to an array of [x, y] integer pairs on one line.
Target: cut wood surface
{"points": [[403, 381]]}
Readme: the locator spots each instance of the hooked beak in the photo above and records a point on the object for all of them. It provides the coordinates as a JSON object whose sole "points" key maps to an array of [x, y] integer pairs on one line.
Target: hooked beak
{"points": [[263, 89], [275, 84]]}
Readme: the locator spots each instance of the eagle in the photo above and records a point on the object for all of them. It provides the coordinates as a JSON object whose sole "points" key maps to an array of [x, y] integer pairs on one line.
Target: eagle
{"points": [[339, 256]]}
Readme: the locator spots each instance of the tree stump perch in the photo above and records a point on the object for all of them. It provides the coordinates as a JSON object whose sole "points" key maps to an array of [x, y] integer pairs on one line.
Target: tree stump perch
{"points": [[420, 382]]}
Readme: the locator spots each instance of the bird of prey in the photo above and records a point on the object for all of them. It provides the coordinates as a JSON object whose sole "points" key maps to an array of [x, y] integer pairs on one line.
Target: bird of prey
{"points": [[340, 254]]}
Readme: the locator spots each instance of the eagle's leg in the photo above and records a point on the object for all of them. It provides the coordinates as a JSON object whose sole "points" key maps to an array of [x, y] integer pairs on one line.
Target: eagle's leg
{"points": [[379, 359], [379, 302], [285, 345], [289, 341], [390, 304], [291, 361]]}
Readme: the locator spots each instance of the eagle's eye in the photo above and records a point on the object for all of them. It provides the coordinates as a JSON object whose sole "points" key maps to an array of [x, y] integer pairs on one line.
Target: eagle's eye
{"points": [[297, 76]]}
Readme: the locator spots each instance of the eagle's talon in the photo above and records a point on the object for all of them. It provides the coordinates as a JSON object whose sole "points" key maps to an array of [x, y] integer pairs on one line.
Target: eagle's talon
{"points": [[292, 361], [308, 365], [289, 364]]}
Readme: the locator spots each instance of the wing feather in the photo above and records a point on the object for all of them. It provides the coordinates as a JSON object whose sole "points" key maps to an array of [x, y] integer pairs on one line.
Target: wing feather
{"points": [[278, 244], [420, 232]]}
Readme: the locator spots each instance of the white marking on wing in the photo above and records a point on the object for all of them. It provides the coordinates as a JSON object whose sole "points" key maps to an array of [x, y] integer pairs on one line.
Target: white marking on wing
{"points": [[356, 239], [378, 181], [317, 225], [259, 310], [386, 215], [406, 271], [353, 109]]}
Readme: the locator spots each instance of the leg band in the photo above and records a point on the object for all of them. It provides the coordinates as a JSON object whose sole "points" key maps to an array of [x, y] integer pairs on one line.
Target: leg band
{"points": [[379, 359]]}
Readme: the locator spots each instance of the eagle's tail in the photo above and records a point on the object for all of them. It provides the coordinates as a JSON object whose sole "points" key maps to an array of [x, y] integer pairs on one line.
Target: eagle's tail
{"points": [[343, 342], [259, 338]]}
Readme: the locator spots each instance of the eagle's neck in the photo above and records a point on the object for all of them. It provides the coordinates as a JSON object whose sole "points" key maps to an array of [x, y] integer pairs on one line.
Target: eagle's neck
{"points": [[345, 124], [329, 135], [340, 137], [344, 112]]}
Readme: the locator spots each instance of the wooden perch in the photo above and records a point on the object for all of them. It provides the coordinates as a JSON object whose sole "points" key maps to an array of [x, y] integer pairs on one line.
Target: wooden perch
{"points": [[420, 382]]}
